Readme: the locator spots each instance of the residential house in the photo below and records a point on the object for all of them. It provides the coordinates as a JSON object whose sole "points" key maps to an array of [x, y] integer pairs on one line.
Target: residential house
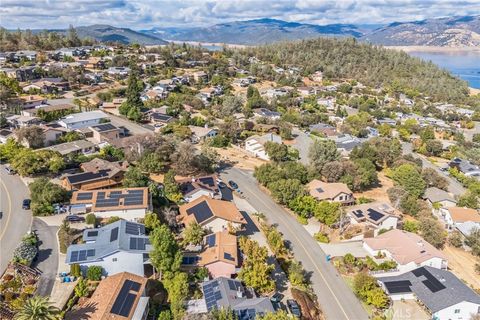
{"points": [[51, 134], [97, 174], [126, 203], [113, 106], [276, 92], [195, 188], [47, 109], [212, 214], [83, 119], [256, 144], [465, 167], [335, 192], [375, 215], [122, 296], [407, 249], [305, 91], [5, 135], [324, 129], [455, 216], [467, 228], [104, 132], [225, 293], [200, 76], [118, 72], [219, 255], [346, 142], [389, 121], [199, 134], [22, 74], [47, 85], [32, 101], [440, 291], [265, 113], [328, 103], [116, 247], [436, 195], [159, 119], [19, 121], [72, 148]]}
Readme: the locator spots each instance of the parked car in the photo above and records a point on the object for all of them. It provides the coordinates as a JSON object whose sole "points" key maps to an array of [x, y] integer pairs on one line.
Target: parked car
{"points": [[9, 170], [232, 184], [222, 184], [1, 214], [294, 308], [26, 204], [74, 218]]}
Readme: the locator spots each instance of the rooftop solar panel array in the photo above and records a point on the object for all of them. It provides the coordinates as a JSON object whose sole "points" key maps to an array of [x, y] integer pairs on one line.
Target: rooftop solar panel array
{"points": [[401, 286], [105, 127], [374, 214], [92, 233], [131, 198], [134, 229], [190, 260], [233, 285], [87, 176], [124, 302], [211, 240], [114, 234], [81, 255], [84, 196], [201, 212], [246, 314], [211, 294], [138, 243], [431, 282], [208, 181], [228, 256], [358, 213]]}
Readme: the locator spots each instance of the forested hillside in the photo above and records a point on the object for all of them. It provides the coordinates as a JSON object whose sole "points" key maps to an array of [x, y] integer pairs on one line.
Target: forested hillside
{"points": [[369, 64]]}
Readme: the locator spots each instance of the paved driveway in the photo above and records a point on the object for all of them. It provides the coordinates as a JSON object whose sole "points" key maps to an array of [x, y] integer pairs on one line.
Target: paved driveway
{"points": [[335, 297], [341, 249], [302, 143], [47, 259]]}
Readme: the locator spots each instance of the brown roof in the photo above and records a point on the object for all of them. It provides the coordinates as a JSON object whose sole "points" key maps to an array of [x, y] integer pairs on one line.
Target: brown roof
{"points": [[98, 307], [405, 247], [225, 210], [50, 108], [329, 190], [97, 164], [188, 186], [121, 206], [225, 245], [459, 214]]}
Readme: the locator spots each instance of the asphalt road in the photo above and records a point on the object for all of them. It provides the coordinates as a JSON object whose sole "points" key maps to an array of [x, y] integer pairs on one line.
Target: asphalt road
{"points": [[15, 222], [454, 186], [302, 143], [47, 258], [335, 297]]}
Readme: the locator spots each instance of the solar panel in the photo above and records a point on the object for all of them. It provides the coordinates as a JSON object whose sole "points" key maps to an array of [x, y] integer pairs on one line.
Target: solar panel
{"points": [[92, 233], [233, 285], [208, 181], [189, 260], [114, 234], [74, 256], [103, 203], [84, 196], [228, 256], [374, 214], [138, 243], [101, 195], [90, 252], [211, 239], [124, 301], [320, 190], [133, 228], [82, 255], [246, 314], [358, 213], [402, 286], [431, 282], [201, 212]]}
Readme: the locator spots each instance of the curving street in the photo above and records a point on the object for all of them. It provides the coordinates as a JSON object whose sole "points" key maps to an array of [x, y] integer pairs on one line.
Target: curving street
{"points": [[15, 221]]}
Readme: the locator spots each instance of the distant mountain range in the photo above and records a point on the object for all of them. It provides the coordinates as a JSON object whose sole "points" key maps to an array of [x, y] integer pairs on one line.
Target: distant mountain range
{"points": [[106, 33], [450, 32]]}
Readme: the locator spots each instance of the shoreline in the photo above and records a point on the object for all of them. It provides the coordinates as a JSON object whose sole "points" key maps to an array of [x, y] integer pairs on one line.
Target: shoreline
{"points": [[434, 49], [218, 44]]}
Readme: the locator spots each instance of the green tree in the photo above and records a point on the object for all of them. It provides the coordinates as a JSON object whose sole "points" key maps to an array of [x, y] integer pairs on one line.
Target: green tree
{"points": [[151, 221], [90, 218], [285, 190], [328, 212], [37, 308], [296, 275], [166, 256], [256, 272], [44, 193], [132, 106], [276, 151], [473, 241], [75, 270], [32, 135], [322, 152], [277, 315], [408, 177], [135, 178], [193, 234], [177, 289], [304, 206], [223, 314], [411, 226], [433, 232], [171, 187], [81, 289], [94, 273]]}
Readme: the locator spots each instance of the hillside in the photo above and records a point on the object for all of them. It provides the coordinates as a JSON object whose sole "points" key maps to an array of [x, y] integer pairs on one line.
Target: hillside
{"points": [[369, 64], [106, 33], [445, 32], [253, 32]]}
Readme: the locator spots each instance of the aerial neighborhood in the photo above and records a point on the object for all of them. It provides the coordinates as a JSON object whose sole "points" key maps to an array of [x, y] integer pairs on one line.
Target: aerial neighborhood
{"points": [[178, 182]]}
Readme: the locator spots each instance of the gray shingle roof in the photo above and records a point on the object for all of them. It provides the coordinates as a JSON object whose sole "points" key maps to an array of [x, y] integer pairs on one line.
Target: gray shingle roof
{"points": [[103, 241], [454, 291], [435, 194]]}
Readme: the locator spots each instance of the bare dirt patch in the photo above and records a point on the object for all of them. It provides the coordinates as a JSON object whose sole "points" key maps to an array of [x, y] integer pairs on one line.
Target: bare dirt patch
{"points": [[239, 158], [379, 193]]}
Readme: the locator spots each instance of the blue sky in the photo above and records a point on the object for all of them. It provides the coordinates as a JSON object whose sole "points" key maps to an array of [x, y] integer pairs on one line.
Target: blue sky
{"points": [[142, 14]]}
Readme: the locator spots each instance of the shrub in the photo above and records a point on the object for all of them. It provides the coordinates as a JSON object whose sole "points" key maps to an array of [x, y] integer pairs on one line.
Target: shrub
{"points": [[25, 253], [455, 239], [75, 270], [112, 219], [321, 237], [94, 273], [91, 218]]}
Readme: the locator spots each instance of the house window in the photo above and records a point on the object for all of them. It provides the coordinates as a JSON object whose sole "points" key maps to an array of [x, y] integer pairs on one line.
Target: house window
{"points": [[341, 198], [114, 259], [457, 310]]}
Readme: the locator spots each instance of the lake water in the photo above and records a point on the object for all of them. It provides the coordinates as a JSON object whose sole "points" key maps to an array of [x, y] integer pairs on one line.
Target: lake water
{"points": [[465, 65]]}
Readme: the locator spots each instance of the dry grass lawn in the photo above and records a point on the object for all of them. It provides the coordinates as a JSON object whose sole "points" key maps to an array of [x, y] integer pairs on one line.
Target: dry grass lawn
{"points": [[462, 263], [239, 158], [379, 193]]}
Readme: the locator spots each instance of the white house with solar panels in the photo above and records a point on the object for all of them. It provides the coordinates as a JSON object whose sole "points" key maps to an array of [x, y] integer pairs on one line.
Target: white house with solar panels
{"points": [[440, 291], [117, 247]]}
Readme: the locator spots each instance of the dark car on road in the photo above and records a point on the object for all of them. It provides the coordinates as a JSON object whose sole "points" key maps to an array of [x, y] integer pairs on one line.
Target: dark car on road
{"points": [[294, 308], [9, 170], [26, 204], [232, 184], [74, 218]]}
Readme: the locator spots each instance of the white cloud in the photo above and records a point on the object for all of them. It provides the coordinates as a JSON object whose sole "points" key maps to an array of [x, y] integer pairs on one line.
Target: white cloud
{"points": [[139, 14]]}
